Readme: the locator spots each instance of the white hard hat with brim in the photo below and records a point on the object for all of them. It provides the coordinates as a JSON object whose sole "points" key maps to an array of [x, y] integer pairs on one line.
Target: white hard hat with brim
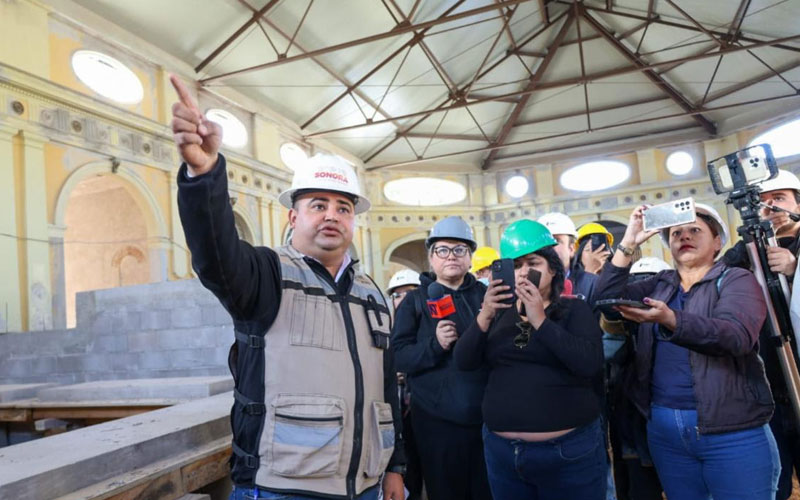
{"points": [[328, 173]]}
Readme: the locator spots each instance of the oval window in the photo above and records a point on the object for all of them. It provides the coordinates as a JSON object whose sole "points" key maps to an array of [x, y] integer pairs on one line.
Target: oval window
{"points": [[424, 191], [595, 176], [107, 76]]}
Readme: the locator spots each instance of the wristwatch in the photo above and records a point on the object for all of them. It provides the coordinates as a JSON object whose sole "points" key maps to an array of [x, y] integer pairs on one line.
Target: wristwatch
{"points": [[627, 252], [399, 469]]}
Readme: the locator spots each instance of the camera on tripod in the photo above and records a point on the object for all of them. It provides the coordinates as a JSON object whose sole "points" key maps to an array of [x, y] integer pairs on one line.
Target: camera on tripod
{"points": [[738, 175], [743, 168]]}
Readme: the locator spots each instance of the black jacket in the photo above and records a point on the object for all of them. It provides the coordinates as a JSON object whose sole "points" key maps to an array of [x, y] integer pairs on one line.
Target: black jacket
{"points": [[247, 281], [436, 384]]}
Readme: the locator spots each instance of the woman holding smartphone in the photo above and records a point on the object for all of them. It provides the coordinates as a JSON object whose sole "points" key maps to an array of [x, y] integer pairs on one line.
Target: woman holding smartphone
{"points": [[699, 380], [542, 436]]}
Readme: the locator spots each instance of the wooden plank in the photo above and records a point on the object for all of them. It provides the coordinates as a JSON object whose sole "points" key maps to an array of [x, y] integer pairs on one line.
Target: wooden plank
{"points": [[93, 413], [16, 415], [168, 486], [190, 470], [206, 470]]}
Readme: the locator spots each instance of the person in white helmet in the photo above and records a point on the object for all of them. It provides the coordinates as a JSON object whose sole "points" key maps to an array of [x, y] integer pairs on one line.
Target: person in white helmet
{"points": [[784, 192], [580, 282], [316, 412], [401, 282], [563, 230]]}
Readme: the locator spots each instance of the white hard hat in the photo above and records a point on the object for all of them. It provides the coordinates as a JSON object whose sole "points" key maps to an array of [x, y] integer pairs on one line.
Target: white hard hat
{"points": [[403, 277], [649, 265], [784, 180], [558, 223], [326, 172], [702, 208]]}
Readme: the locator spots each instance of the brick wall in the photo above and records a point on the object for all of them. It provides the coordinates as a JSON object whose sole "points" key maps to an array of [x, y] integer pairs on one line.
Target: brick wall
{"points": [[167, 329]]}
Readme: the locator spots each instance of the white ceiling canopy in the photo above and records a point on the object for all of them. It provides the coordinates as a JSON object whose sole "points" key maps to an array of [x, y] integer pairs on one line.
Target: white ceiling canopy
{"points": [[488, 83]]}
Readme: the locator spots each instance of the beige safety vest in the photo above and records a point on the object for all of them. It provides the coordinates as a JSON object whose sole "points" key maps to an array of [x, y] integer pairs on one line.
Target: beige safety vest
{"points": [[327, 428]]}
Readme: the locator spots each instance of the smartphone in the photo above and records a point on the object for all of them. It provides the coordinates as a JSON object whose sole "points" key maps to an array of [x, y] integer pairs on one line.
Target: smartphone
{"points": [[599, 241], [672, 213], [503, 269], [534, 277], [622, 302]]}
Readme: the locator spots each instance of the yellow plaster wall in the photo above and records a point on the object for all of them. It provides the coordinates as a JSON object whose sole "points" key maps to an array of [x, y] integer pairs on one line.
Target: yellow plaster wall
{"points": [[23, 37], [56, 175]]}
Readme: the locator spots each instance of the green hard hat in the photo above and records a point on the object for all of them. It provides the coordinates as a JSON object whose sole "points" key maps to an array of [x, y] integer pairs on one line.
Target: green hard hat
{"points": [[523, 237]]}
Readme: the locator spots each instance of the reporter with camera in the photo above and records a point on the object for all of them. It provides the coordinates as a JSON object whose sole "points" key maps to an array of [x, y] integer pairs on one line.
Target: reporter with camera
{"points": [[699, 379], [445, 406], [782, 192], [542, 434]]}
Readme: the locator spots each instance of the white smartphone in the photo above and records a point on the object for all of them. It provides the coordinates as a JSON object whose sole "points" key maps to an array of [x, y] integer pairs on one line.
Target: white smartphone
{"points": [[672, 213]]}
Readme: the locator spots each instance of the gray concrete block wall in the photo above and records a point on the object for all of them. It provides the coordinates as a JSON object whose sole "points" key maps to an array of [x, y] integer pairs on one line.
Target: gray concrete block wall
{"points": [[168, 329]]}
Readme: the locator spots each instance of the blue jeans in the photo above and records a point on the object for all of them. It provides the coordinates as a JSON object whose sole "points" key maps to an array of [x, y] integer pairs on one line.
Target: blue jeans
{"points": [[241, 493], [737, 465], [572, 466]]}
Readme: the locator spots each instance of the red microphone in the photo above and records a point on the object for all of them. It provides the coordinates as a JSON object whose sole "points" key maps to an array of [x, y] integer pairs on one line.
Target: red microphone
{"points": [[442, 306]]}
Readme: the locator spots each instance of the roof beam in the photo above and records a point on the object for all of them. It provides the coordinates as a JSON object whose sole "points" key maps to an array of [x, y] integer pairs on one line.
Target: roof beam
{"points": [[398, 30], [322, 65], [452, 99], [253, 19], [753, 81], [676, 96], [413, 41], [439, 135], [573, 114], [532, 82], [658, 20], [564, 83], [738, 19], [580, 132]]}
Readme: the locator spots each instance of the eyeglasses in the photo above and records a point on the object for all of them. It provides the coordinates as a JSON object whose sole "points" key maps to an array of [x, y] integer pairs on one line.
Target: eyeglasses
{"points": [[522, 338], [398, 295], [444, 252]]}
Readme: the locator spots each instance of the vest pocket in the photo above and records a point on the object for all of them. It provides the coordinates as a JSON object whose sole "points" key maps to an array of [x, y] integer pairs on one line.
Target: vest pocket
{"points": [[381, 445], [313, 323], [307, 433], [379, 324]]}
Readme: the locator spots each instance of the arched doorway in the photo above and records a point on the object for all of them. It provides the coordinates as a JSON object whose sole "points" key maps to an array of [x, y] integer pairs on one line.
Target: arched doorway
{"points": [[243, 229], [105, 240], [411, 254]]}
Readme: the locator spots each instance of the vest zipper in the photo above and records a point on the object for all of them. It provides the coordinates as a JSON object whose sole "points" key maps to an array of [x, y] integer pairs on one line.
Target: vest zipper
{"points": [[358, 417], [352, 345]]}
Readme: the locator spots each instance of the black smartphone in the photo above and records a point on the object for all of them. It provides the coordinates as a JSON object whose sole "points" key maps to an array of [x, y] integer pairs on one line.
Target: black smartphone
{"points": [[503, 269], [534, 277], [622, 302], [599, 241]]}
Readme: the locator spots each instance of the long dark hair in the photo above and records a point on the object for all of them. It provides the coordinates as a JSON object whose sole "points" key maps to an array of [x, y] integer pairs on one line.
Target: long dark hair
{"points": [[557, 268]]}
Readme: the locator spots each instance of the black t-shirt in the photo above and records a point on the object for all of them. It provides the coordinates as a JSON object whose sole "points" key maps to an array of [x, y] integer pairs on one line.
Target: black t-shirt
{"points": [[546, 385]]}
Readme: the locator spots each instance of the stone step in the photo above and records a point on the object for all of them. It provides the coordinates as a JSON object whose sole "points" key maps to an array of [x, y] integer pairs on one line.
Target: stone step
{"points": [[14, 392], [177, 388], [59, 465]]}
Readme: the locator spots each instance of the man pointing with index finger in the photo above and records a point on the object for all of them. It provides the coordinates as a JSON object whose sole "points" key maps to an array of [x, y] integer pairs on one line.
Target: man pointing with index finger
{"points": [[316, 413]]}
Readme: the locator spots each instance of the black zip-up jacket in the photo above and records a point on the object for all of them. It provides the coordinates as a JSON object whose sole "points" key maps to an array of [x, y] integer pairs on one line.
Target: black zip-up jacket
{"points": [[247, 281], [436, 383]]}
